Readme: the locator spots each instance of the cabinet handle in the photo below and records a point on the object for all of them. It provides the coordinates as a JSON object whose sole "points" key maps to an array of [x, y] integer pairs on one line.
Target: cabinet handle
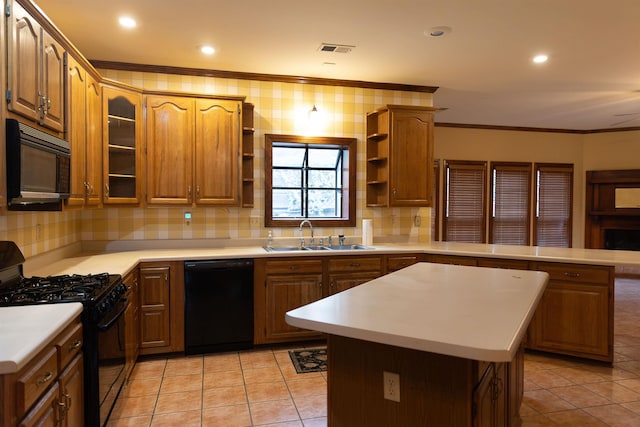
{"points": [[497, 387], [568, 274], [45, 378], [67, 401], [394, 192], [197, 191], [76, 344], [48, 105], [106, 189], [189, 192]]}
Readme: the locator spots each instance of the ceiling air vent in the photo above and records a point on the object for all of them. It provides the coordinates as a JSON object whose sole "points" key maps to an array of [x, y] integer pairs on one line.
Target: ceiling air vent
{"points": [[337, 48]]}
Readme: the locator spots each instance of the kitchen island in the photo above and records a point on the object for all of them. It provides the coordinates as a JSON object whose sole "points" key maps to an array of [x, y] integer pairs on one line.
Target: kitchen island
{"points": [[452, 334]]}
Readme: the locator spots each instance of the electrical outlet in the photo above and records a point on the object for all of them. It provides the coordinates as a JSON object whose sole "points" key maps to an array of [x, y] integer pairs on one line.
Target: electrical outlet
{"points": [[393, 219], [187, 218], [417, 220], [38, 232], [391, 383], [254, 221]]}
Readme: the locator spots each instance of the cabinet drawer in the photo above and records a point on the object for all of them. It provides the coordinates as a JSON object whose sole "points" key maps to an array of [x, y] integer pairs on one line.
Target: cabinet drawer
{"points": [[35, 379], [355, 264], [293, 266], [514, 264], [576, 272], [399, 262], [69, 344], [454, 259]]}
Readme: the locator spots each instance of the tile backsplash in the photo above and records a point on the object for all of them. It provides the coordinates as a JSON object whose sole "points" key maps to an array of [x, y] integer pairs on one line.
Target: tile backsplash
{"points": [[279, 108]]}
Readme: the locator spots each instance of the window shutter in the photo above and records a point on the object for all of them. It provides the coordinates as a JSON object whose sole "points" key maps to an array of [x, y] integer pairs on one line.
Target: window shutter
{"points": [[464, 205], [554, 200], [510, 203]]}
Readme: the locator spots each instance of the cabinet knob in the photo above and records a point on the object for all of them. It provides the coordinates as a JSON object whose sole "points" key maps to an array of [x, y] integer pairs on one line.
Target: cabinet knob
{"points": [[76, 344]]}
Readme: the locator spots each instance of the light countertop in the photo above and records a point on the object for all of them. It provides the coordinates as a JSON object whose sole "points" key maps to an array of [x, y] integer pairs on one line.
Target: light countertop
{"points": [[126, 255], [25, 331], [474, 313]]}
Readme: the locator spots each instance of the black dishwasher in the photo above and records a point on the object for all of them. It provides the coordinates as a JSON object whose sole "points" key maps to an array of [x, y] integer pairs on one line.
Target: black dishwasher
{"points": [[218, 305]]}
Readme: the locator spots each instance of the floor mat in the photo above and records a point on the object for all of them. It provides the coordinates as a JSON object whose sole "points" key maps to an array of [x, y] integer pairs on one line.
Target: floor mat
{"points": [[309, 360]]}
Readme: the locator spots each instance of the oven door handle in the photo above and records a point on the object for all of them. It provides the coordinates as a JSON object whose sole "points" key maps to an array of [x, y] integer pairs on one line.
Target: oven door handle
{"points": [[106, 323]]}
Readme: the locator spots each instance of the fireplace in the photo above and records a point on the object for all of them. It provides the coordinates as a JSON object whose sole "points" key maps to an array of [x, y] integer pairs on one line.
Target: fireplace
{"points": [[612, 213], [612, 216], [620, 239]]}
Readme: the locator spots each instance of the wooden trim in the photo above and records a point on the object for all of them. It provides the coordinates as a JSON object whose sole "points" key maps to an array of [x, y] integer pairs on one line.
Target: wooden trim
{"points": [[349, 143], [532, 129], [201, 72]]}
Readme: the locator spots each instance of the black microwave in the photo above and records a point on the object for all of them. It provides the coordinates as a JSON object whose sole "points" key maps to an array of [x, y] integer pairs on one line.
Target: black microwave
{"points": [[38, 168]]}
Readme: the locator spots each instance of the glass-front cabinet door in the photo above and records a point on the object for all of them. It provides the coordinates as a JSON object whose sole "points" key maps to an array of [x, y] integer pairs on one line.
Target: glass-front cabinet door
{"points": [[122, 145]]}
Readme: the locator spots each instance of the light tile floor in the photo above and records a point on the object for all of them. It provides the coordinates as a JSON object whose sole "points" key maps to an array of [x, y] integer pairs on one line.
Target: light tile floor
{"points": [[261, 388]]}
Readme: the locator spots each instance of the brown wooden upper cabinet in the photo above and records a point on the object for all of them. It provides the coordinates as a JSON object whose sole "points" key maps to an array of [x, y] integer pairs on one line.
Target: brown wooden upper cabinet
{"points": [[193, 150], [400, 156], [36, 70], [84, 133], [122, 137]]}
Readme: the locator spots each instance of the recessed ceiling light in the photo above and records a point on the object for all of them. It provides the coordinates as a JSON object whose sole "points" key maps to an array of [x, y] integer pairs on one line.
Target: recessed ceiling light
{"points": [[207, 50], [127, 21], [539, 59], [437, 31]]}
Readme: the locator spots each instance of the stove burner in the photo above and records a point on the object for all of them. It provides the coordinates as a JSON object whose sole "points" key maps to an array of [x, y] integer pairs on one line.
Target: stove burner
{"points": [[63, 288]]}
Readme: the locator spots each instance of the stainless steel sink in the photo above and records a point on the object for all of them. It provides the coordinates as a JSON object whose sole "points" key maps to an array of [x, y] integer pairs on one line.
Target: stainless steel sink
{"points": [[347, 247], [283, 248], [315, 248]]}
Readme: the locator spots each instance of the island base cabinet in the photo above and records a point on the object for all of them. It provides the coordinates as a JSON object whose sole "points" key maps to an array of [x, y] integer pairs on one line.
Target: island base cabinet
{"points": [[434, 389]]}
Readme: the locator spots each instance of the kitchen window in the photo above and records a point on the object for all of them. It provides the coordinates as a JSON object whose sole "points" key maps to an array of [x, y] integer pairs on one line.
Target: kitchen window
{"points": [[513, 218], [309, 178], [464, 201], [553, 220], [510, 203]]}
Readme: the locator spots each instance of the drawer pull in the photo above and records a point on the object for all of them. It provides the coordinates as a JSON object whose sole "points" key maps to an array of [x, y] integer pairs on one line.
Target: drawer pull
{"points": [[293, 267], [45, 378], [572, 274], [354, 264], [76, 344]]}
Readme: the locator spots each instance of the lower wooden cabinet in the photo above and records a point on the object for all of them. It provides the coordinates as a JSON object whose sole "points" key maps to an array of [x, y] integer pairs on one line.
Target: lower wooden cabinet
{"points": [[347, 272], [161, 286], [575, 314], [49, 390], [283, 284], [398, 262], [131, 323]]}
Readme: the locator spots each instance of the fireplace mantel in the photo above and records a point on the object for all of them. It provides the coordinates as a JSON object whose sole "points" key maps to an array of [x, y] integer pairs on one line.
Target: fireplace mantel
{"points": [[601, 211]]}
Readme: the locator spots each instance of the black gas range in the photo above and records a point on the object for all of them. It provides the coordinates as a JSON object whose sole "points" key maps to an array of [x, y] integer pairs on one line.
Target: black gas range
{"points": [[103, 298]]}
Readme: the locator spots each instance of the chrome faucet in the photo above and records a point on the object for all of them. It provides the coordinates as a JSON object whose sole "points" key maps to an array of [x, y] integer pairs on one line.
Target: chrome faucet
{"points": [[312, 241]]}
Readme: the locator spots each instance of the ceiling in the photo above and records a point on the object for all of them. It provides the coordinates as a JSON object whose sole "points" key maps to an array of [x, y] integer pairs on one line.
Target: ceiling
{"points": [[482, 67]]}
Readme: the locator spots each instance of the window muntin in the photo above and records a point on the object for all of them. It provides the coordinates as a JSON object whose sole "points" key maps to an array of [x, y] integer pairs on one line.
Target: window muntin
{"points": [[309, 178]]}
